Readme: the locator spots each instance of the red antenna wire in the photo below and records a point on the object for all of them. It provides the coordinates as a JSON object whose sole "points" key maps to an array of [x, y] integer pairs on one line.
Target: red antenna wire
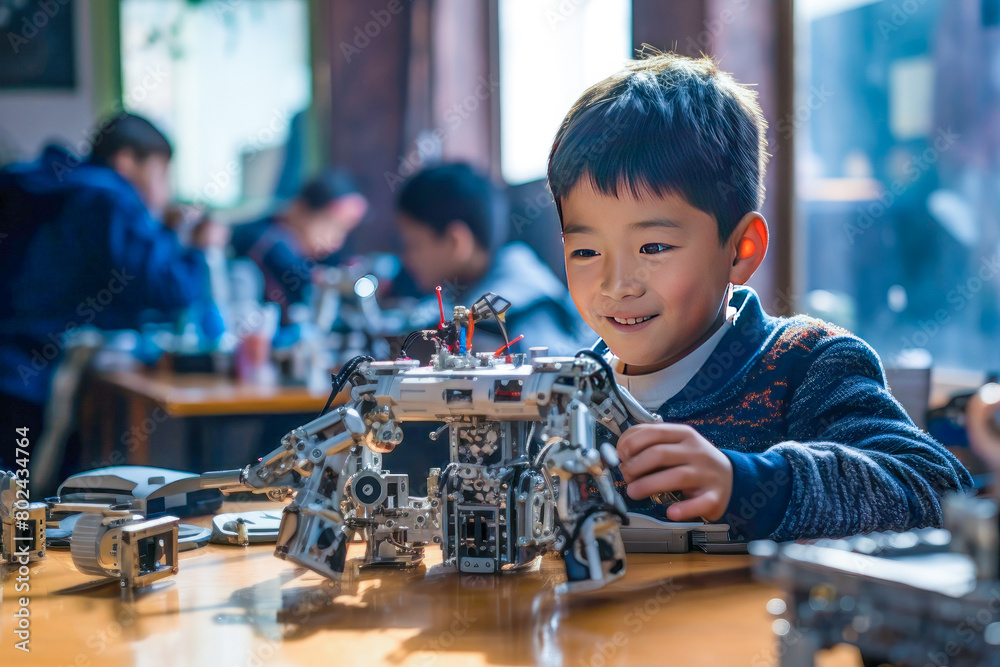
{"points": [[440, 306], [504, 347]]}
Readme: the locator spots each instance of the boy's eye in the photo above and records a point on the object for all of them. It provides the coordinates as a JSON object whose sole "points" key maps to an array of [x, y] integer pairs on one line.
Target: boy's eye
{"points": [[583, 253], [654, 248]]}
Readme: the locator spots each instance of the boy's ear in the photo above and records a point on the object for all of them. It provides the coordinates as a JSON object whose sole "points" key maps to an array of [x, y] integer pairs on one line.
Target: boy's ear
{"points": [[124, 161], [462, 241], [352, 207], [749, 245]]}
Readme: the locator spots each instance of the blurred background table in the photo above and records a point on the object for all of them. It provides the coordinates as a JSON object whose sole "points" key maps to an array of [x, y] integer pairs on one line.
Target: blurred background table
{"points": [[241, 606], [121, 413]]}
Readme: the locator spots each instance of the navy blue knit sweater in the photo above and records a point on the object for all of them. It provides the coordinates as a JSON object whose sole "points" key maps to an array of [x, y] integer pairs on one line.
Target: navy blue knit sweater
{"points": [[819, 446]]}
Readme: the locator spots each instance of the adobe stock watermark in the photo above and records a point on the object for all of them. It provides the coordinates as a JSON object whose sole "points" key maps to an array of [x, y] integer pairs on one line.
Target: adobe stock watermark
{"points": [[363, 35], [534, 207], [587, 152], [723, 360], [703, 41], [33, 24], [913, 169], [252, 147], [605, 649], [152, 78], [967, 630], [815, 100], [899, 16], [960, 637], [460, 624], [958, 297], [246, 326], [789, 637], [563, 11], [290, 619], [103, 638], [223, 7], [87, 310], [428, 144]]}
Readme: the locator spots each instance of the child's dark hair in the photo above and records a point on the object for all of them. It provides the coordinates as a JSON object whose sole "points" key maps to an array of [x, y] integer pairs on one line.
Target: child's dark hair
{"points": [[326, 187], [128, 131], [666, 124], [439, 195]]}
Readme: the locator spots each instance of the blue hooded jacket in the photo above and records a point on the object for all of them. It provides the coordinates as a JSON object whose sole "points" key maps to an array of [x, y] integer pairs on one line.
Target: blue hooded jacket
{"points": [[79, 248]]}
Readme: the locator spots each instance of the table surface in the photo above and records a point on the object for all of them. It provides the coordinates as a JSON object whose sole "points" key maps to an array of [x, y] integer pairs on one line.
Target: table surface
{"points": [[231, 605], [203, 394]]}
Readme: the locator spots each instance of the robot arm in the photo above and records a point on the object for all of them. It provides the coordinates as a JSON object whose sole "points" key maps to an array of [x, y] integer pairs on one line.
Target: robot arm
{"points": [[285, 469], [619, 411], [311, 461], [590, 510]]}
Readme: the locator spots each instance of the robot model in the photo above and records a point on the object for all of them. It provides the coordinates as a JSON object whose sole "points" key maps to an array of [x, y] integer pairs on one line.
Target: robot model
{"points": [[501, 500]]}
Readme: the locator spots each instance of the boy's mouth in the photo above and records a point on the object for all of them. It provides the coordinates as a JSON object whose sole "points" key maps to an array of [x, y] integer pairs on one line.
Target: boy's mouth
{"points": [[629, 323]]}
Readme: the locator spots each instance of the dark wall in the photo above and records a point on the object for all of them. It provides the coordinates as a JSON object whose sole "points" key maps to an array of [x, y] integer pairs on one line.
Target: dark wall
{"points": [[368, 66]]}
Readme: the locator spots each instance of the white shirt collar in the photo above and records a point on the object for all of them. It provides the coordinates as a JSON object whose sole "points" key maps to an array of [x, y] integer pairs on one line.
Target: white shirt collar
{"points": [[653, 389]]}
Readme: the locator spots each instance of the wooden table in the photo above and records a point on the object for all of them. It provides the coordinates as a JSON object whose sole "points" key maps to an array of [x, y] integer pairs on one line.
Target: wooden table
{"points": [[241, 606], [202, 394], [150, 397]]}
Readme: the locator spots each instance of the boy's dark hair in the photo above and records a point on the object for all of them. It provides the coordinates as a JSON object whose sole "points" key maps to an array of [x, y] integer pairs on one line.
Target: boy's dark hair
{"points": [[325, 187], [440, 195], [666, 124], [128, 131]]}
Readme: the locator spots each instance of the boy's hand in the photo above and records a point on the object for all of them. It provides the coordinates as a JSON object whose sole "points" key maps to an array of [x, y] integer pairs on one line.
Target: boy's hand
{"points": [[210, 234], [675, 457], [980, 423]]}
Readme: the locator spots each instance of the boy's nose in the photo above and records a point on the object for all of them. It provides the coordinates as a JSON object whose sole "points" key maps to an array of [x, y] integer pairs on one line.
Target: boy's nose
{"points": [[621, 281]]}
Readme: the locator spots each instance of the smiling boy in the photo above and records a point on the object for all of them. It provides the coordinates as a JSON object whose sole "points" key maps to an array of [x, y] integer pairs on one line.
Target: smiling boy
{"points": [[781, 427]]}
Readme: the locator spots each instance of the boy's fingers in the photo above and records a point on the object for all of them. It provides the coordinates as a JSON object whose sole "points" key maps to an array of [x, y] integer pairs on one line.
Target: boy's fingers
{"points": [[702, 506], [679, 478], [652, 459], [637, 438], [979, 411]]}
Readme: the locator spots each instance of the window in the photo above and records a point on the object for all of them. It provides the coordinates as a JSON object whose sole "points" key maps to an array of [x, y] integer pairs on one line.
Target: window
{"points": [[550, 52], [897, 149], [224, 79]]}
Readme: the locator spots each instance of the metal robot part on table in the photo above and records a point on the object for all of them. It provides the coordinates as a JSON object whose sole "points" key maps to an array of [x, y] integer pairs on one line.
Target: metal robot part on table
{"points": [[922, 597], [113, 541], [498, 504]]}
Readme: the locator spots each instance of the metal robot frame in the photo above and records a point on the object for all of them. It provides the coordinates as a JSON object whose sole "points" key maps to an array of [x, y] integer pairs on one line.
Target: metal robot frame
{"points": [[496, 505]]}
